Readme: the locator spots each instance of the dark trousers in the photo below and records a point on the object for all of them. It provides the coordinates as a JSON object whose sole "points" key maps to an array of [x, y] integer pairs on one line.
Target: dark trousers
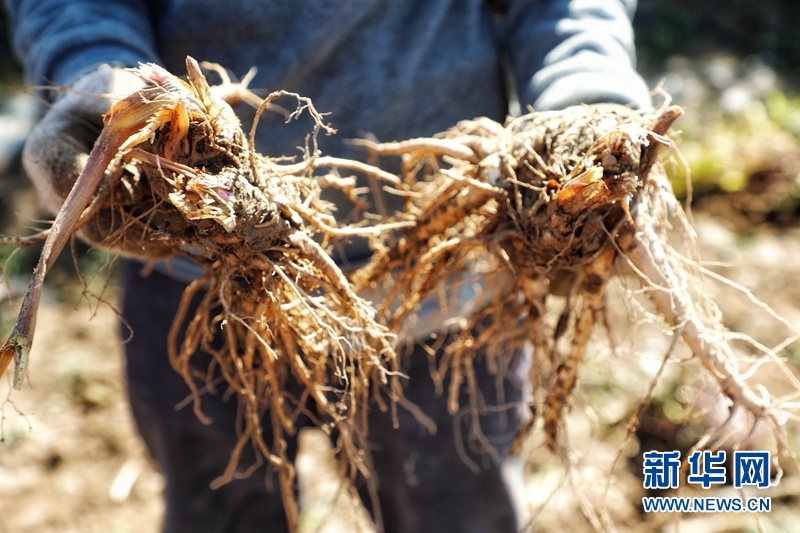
{"points": [[424, 484]]}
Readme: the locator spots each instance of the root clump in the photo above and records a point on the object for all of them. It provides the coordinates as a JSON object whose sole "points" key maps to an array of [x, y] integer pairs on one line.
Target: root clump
{"points": [[179, 176], [549, 205]]}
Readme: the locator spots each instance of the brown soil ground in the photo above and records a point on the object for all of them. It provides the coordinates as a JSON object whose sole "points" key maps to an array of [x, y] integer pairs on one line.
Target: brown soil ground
{"points": [[70, 460]]}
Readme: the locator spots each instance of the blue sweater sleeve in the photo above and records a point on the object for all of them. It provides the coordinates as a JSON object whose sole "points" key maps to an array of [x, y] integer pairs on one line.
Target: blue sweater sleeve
{"points": [[59, 40], [568, 52]]}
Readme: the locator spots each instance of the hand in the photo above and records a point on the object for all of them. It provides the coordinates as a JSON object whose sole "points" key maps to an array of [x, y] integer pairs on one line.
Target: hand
{"points": [[58, 147]]}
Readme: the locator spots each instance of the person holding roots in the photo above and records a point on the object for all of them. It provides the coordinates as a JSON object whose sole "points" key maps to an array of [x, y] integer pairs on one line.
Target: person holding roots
{"points": [[384, 69]]}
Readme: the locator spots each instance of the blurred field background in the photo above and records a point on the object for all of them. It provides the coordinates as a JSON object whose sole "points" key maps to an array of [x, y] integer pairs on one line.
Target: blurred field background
{"points": [[70, 459]]}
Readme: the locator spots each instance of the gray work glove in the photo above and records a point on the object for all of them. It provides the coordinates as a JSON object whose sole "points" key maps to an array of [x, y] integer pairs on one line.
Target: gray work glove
{"points": [[58, 147]]}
